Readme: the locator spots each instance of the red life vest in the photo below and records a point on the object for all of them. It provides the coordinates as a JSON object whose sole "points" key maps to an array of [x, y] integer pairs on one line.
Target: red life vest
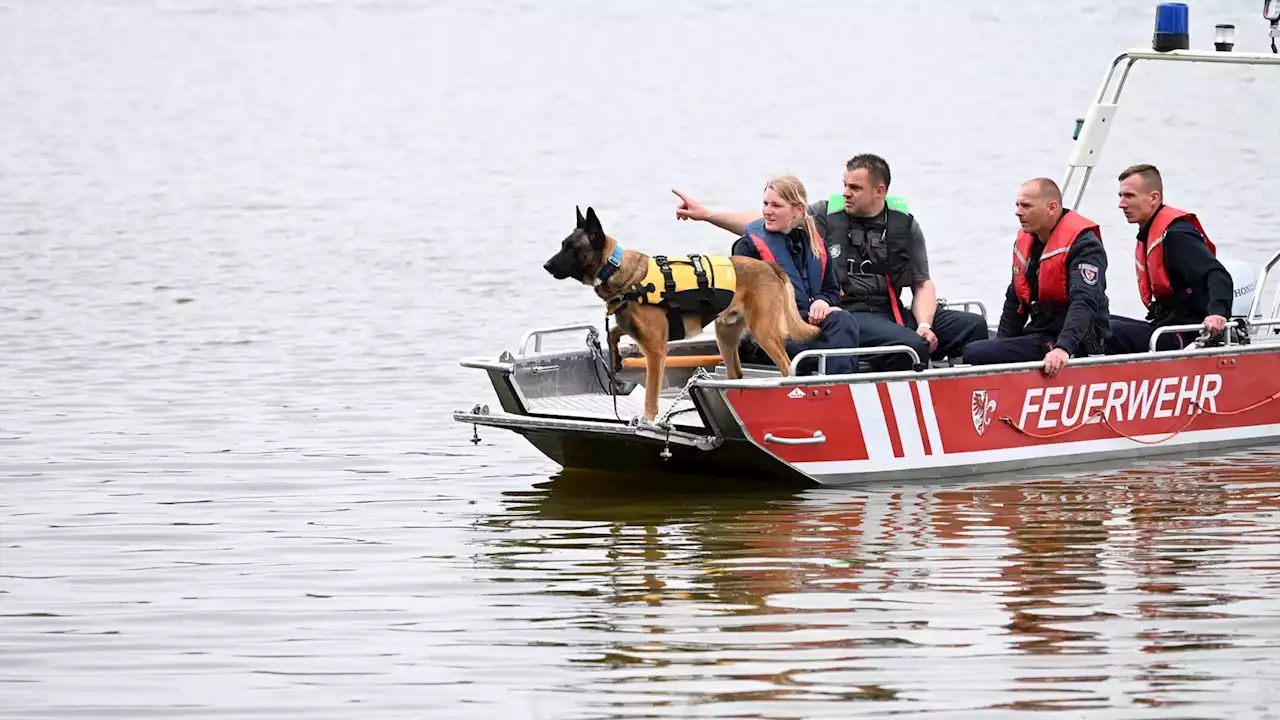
{"points": [[1051, 274], [1153, 276]]}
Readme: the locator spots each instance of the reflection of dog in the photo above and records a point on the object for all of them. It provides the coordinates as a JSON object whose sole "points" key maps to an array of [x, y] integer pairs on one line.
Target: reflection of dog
{"points": [[763, 303]]}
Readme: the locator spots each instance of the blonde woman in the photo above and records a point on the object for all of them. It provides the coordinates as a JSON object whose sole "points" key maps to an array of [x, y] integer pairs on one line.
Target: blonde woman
{"points": [[785, 235]]}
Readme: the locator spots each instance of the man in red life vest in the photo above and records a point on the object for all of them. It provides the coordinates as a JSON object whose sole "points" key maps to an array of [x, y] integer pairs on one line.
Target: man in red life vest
{"points": [[1056, 307], [1179, 276]]}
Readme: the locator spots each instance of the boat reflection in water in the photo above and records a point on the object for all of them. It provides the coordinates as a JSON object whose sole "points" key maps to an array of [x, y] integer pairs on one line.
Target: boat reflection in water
{"points": [[1149, 586]]}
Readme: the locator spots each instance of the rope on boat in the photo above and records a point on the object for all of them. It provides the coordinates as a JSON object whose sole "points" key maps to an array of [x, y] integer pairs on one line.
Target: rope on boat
{"points": [[1258, 404], [1166, 438], [1047, 436], [1106, 422], [593, 345], [663, 421]]}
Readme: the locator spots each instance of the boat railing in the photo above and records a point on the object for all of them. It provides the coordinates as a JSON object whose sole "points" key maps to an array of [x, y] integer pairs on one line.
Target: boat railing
{"points": [[1271, 323], [1228, 337], [822, 355], [965, 305], [537, 336], [1260, 288], [1092, 130]]}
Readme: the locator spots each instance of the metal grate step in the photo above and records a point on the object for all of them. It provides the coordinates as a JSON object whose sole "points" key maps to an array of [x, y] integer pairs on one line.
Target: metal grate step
{"points": [[595, 406]]}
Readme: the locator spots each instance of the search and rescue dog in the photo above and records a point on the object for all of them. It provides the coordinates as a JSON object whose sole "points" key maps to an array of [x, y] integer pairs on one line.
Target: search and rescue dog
{"points": [[742, 294]]}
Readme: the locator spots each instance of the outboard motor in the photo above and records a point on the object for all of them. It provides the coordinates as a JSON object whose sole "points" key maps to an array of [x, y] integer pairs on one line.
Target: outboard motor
{"points": [[1245, 282]]}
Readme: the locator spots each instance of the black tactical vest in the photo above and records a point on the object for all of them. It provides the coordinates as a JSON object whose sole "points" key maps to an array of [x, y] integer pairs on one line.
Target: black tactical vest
{"points": [[871, 254]]}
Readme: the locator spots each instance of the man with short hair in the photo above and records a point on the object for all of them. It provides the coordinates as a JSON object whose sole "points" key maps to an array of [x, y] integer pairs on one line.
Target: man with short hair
{"points": [[1180, 278], [1056, 306], [877, 251]]}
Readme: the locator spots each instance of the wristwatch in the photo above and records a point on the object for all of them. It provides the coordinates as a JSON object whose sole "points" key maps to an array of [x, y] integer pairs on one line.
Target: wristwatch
{"points": [[925, 326]]}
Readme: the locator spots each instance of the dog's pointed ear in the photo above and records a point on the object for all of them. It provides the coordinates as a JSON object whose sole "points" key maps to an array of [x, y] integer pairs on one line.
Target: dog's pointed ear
{"points": [[594, 230], [581, 221]]}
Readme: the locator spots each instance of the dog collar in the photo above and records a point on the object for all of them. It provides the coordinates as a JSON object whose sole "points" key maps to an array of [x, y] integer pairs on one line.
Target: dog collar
{"points": [[610, 267]]}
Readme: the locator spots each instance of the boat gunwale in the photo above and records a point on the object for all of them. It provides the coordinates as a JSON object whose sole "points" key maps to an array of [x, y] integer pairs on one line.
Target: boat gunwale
{"points": [[982, 370], [935, 372]]}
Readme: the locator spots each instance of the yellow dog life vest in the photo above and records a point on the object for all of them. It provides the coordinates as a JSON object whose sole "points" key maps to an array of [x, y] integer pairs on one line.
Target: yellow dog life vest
{"points": [[701, 285]]}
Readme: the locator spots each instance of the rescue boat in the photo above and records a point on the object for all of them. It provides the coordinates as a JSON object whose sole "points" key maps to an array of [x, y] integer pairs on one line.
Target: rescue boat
{"points": [[945, 420]]}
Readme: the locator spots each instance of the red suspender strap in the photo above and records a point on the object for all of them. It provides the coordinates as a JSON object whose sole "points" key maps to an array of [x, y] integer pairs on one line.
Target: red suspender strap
{"points": [[893, 300]]}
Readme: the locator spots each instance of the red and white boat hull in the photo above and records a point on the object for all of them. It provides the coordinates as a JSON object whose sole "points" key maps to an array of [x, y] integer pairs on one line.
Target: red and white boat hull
{"points": [[964, 421]]}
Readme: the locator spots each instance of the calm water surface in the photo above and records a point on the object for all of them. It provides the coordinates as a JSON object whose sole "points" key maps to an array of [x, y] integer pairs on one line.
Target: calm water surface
{"points": [[243, 244]]}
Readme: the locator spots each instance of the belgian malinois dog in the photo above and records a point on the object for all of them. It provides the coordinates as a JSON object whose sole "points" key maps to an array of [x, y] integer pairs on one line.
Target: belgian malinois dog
{"points": [[763, 304]]}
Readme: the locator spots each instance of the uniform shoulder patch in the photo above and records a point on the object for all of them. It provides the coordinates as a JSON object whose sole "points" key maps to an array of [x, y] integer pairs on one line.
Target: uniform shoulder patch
{"points": [[1089, 273], [835, 250]]}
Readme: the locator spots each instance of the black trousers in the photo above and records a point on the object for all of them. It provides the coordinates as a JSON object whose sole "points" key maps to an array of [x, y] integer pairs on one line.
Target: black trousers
{"points": [[839, 330], [1022, 348], [955, 329], [1134, 336]]}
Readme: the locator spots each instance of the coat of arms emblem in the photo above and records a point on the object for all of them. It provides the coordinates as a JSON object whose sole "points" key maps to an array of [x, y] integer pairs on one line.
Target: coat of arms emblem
{"points": [[984, 408]]}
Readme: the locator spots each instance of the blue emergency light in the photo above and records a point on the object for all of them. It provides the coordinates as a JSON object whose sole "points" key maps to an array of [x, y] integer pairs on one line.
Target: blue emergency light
{"points": [[1172, 31]]}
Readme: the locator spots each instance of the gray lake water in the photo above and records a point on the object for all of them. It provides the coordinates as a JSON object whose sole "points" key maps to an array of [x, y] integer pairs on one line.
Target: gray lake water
{"points": [[243, 244]]}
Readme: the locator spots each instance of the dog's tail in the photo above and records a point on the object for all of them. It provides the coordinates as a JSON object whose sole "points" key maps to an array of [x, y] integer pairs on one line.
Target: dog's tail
{"points": [[794, 326]]}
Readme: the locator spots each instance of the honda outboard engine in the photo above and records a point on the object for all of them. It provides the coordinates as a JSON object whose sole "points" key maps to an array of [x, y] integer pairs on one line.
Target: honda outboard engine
{"points": [[1245, 282]]}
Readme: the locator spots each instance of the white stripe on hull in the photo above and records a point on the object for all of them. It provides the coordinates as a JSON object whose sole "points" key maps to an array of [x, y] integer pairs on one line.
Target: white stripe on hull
{"points": [[875, 433], [904, 412], [930, 419]]}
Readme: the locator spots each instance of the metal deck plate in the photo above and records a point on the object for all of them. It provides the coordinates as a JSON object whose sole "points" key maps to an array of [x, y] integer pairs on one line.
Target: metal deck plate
{"points": [[600, 407]]}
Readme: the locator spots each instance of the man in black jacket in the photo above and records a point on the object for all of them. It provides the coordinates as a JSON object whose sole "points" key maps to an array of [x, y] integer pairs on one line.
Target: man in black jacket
{"points": [[1179, 276], [1056, 306]]}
